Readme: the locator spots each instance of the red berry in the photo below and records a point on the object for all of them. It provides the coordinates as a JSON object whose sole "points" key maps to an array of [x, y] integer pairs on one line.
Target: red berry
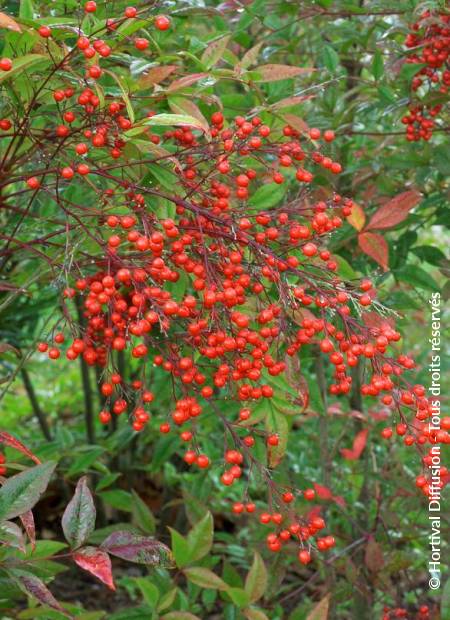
{"points": [[45, 32], [6, 64], [162, 22]]}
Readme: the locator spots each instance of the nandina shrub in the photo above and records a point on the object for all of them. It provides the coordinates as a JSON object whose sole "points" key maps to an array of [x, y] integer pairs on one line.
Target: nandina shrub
{"points": [[193, 243]]}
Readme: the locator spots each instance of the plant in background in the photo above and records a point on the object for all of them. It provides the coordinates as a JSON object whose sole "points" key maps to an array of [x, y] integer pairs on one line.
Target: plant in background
{"points": [[18, 496]]}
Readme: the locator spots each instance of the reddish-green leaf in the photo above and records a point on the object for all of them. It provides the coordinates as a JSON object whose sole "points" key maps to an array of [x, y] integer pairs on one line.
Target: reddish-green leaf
{"points": [[376, 247], [296, 122], [78, 520], [357, 217], [374, 556], [186, 81], [320, 611], [138, 549], [12, 442], [11, 535], [253, 613], [214, 52], [31, 584], [250, 56], [97, 562], [274, 73], [8, 22], [21, 492], [359, 443], [394, 211], [27, 520], [205, 578], [155, 75], [256, 580]]}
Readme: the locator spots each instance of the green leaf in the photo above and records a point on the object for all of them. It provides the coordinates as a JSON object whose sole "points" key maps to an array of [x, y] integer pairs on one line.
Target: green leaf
{"points": [[180, 548], [179, 615], [78, 521], [238, 596], [106, 481], [256, 581], [172, 120], [84, 461], [149, 591], [26, 10], [142, 515], [330, 58], [21, 492], [445, 601], [417, 277], [377, 65], [205, 578], [165, 177], [267, 196], [430, 254], [117, 499], [200, 538], [125, 94], [409, 70], [22, 63], [167, 599]]}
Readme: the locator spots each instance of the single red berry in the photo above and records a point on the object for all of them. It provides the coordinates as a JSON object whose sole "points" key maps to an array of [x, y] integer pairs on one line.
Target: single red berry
{"points": [[90, 7], [6, 64], [162, 22], [45, 32]]}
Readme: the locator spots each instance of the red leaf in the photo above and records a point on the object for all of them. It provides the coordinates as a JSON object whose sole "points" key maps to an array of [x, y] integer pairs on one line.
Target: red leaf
{"points": [[376, 247], [27, 520], [322, 492], [395, 211], [377, 322], [139, 549], [359, 443], [314, 512], [12, 442], [326, 494], [97, 562]]}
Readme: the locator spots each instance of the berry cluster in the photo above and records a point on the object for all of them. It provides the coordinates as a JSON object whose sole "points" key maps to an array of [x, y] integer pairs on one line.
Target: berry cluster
{"points": [[430, 41], [423, 613], [204, 284]]}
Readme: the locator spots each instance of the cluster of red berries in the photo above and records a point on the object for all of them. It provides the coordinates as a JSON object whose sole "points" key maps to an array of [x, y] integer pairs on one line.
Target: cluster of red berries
{"points": [[390, 613], [430, 40], [220, 292]]}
